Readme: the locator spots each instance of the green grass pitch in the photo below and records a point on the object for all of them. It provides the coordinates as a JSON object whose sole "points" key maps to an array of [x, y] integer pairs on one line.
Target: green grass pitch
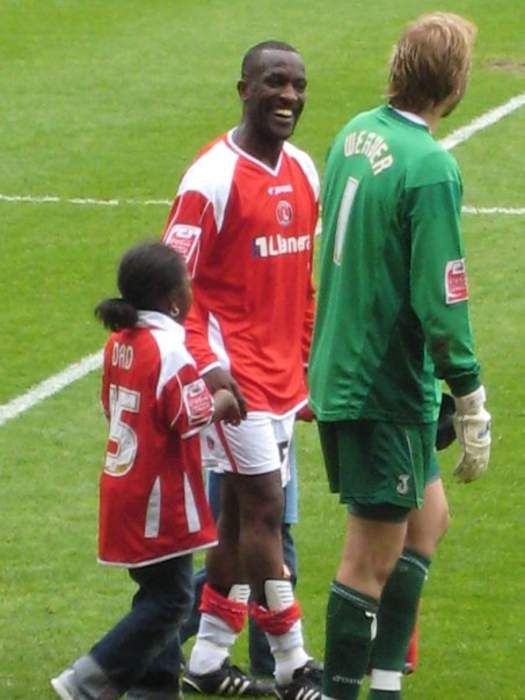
{"points": [[111, 99]]}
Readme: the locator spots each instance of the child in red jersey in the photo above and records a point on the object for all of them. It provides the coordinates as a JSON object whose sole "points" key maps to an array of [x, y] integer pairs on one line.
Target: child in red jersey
{"points": [[153, 508]]}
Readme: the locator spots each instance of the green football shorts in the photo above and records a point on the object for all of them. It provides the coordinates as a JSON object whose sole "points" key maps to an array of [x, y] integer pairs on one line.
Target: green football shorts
{"points": [[372, 462]]}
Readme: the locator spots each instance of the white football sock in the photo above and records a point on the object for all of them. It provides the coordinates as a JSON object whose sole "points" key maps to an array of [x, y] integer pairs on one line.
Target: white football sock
{"points": [[288, 648], [385, 680], [215, 637]]}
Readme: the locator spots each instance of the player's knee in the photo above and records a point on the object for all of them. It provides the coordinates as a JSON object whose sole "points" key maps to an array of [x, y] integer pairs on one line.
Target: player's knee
{"points": [[372, 569], [264, 517], [425, 537], [443, 523], [382, 569], [261, 503]]}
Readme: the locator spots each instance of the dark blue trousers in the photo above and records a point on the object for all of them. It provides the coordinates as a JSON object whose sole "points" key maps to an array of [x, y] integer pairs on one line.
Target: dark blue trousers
{"points": [[138, 652]]}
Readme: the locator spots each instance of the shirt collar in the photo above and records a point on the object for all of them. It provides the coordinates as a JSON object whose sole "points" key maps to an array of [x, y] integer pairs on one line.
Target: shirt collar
{"points": [[237, 149], [155, 319], [410, 116]]}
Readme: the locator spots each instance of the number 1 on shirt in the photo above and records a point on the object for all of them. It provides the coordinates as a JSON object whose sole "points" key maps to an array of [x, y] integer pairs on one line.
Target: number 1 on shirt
{"points": [[343, 216]]}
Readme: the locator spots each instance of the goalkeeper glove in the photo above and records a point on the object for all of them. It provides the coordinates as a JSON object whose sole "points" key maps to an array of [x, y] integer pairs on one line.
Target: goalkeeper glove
{"points": [[472, 426]]}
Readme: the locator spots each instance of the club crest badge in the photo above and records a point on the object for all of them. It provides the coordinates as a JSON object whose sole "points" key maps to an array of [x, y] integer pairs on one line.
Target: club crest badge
{"points": [[284, 212]]}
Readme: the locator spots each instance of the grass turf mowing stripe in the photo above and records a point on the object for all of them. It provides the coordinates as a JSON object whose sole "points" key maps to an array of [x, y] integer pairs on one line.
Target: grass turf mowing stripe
{"points": [[59, 381], [449, 142]]}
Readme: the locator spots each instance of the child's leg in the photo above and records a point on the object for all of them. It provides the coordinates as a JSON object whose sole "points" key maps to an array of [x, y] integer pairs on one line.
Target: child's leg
{"points": [[166, 601], [131, 654]]}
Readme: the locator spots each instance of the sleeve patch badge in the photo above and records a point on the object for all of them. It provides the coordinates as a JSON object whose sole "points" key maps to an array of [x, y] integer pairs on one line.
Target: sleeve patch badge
{"points": [[198, 402], [456, 288], [183, 239]]}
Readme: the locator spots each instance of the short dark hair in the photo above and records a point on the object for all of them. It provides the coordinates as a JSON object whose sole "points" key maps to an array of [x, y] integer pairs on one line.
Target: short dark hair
{"points": [[251, 57], [147, 274], [431, 61]]}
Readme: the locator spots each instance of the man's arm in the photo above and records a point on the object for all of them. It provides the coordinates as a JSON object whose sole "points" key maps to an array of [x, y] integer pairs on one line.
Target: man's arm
{"points": [[191, 230], [439, 294], [438, 284]]}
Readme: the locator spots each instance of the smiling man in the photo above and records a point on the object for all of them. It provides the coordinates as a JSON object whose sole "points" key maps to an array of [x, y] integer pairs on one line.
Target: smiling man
{"points": [[244, 218]]}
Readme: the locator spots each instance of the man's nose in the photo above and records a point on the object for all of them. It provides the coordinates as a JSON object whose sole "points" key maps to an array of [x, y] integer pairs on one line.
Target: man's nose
{"points": [[289, 92]]}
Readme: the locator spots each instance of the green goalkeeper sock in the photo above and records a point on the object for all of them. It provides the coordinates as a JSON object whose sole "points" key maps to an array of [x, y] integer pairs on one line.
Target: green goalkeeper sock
{"points": [[395, 622], [350, 623]]}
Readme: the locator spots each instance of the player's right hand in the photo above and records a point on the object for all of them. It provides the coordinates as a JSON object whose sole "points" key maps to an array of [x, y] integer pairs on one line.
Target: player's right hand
{"points": [[472, 426], [219, 378]]}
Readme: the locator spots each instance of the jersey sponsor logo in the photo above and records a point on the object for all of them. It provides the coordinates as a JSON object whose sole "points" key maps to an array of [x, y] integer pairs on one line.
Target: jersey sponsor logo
{"points": [[402, 484], [280, 189], [270, 246], [456, 288], [197, 402], [284, 212], [183, 238]]}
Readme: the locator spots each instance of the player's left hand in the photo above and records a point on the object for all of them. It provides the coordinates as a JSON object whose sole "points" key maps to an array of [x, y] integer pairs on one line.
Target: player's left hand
{"points": [[305, 414], [472, 425]]}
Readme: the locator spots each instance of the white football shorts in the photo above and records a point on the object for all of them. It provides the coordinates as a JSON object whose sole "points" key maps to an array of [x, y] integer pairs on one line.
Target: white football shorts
{"points": [[258, 445]]}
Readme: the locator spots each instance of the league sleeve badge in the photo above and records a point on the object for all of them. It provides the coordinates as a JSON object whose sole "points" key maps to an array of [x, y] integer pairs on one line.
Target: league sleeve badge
{"points": [[183, 238], [456, 288], [198, 403]]}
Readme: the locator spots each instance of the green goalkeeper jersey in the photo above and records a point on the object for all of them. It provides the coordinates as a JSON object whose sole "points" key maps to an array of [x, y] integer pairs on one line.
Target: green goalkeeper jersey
{"points": [[392, 314]]}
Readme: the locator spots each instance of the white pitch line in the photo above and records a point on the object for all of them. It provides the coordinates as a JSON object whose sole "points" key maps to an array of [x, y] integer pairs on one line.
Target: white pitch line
{"points": [[482, 122], [518, 211], [50, 386], [45, 199], [87, 201], [79, 369]]}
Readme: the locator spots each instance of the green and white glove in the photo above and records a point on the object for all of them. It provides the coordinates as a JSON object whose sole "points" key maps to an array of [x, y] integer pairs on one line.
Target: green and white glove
{"points": [[472, 426]]}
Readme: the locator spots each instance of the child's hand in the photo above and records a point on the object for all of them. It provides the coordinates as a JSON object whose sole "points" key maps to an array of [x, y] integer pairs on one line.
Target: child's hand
{"points": [[219, 378], [227, 407]]}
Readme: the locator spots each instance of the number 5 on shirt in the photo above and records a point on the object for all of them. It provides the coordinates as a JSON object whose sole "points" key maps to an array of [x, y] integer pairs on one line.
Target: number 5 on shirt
{"points": [[122, 440]]}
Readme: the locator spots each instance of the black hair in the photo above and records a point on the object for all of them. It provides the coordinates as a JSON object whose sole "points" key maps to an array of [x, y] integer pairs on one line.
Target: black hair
{"points": [[251, 57], [147, 274]]}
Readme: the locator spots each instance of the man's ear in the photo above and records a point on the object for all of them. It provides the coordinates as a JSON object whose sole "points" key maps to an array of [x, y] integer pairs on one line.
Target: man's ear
{"points": [[242, 89]]}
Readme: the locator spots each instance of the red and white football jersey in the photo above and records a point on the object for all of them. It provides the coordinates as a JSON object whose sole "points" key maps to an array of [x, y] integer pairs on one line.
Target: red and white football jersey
{"points": [[247, 233], [152, 499]]}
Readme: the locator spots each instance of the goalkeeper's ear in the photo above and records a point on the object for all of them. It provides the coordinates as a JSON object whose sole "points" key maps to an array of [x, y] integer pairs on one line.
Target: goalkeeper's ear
{"points": [[446, 434]]}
